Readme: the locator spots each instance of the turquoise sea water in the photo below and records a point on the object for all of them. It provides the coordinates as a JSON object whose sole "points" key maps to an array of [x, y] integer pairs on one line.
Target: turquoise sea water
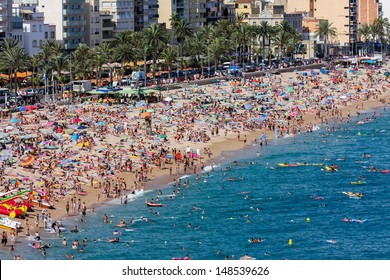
{"points": [[276, 201]]}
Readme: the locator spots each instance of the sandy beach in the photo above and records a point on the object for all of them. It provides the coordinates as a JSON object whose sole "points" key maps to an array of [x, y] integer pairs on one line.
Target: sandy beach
{"points": [[114, 154]]}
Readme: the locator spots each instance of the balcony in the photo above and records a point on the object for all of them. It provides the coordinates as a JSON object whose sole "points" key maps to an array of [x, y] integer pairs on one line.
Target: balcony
{"points": [[76, 34], [108, 25], [71, 46], [68, 23], [69, 12], [73, 2]]}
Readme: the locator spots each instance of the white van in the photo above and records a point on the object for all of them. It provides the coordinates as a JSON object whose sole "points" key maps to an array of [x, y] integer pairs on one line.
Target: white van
{"points": [[226, 65]]}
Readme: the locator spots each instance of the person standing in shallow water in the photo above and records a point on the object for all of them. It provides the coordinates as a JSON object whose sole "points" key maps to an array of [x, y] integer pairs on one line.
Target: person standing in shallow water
{"points": [[105, 218], [67, 208]]}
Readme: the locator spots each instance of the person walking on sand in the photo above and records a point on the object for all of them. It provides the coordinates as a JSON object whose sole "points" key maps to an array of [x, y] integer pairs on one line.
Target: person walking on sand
{"points": [[67, 208]]}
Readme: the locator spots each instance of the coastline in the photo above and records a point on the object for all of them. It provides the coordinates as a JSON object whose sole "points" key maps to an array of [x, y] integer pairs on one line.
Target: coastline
{"points": [[218, 145]]}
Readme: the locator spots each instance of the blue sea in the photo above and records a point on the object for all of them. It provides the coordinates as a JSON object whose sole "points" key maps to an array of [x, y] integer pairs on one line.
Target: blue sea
{"points": [[296, 211]]}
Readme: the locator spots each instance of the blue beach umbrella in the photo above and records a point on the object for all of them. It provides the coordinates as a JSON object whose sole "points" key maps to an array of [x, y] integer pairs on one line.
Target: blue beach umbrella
{"points": [[22, 109], [81, 127], [14, 120], [248, 106], [75, 136], [101, 123]]}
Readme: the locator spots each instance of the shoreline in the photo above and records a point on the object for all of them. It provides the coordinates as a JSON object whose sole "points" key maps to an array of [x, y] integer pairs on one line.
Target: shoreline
{"points": [[218, 146]]}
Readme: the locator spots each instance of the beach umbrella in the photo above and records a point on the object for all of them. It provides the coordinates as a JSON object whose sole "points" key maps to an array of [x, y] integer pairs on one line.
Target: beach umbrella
{"points": [[49, 124], [3, 135], [14, 120], [26, 137], [81, 127], [146, 114], [101, 123], [69, 131], [5, 141], [77, 120], [150, 110], [4, 157], [59, 135], [75, 136], [51, 147], [9, 127], [168, 99], [44, 131], [27, 161], [22, 109], [162, 136], [248, 106], [123, 137]]}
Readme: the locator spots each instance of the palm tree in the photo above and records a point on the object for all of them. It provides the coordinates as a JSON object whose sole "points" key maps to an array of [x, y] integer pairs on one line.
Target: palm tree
{"points": [[243, 35], [156, 39], [48, 50], [59, 63], [218, 49], [174, 19], [82, 57], [326, 31], [365, 32], [380, 26], [107, 56], [194, 46], [170, 56], [98, 59], [264, 32], [182, 30], [34, 62], [13, 58]]}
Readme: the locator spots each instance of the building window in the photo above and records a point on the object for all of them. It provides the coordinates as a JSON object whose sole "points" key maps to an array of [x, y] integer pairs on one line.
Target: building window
{"points": [[34, 28], [52, 35], [46, 35], [34, 43]]}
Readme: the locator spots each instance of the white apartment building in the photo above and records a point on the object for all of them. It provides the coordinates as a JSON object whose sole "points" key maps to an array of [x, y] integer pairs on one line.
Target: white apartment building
{"points": [[93, 34], [35, 31], [122, 12], [69, 18]]}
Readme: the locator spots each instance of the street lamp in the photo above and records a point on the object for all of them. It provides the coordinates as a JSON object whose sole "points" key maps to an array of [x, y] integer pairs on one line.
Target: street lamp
{"points": [[70, 76], [208, 58], [144, 53]]}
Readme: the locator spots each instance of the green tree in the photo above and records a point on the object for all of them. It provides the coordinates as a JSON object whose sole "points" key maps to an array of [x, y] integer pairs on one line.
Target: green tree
{"points": [[156, 39], [13, 59], [326, 31], [170, 57], [365, 32]]}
